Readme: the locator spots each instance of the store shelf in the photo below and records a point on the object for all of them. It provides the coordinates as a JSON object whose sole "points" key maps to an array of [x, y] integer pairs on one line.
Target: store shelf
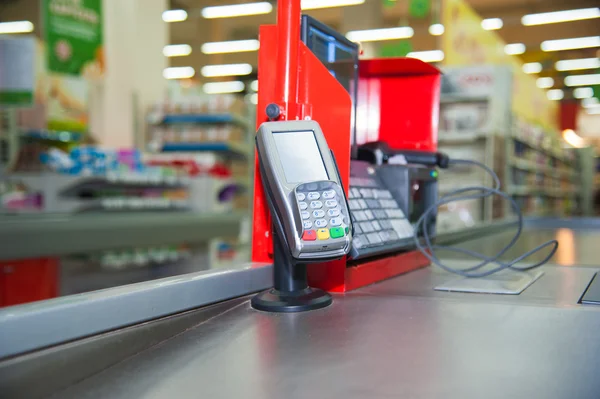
{"points": [[462, 98], [455, 137], [525, 190], [61, 182], [31, 236], [52, 135], [546, 150], [203, 119], [228, 149], [531, 166]]}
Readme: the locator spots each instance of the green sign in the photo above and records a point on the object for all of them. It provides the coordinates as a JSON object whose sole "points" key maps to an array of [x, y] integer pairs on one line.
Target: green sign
{"points": [[396, 49], [596, 88], [419, 8], [17, 59], [73, 34]]}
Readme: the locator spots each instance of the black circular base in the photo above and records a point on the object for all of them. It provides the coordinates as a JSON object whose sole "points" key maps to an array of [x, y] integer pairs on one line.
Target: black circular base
{"points": [[299, 301]]}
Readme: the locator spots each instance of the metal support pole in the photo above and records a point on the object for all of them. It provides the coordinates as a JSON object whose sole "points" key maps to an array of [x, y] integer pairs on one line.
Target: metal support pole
{"points": [[288, 27]]}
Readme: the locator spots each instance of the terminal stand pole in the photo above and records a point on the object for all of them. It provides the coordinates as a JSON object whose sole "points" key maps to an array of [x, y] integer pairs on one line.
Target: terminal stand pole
{"points": [[290, 292]]}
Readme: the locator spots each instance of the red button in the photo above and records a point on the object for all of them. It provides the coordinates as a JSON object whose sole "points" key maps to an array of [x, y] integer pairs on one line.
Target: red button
{"points": [[309, 235]]}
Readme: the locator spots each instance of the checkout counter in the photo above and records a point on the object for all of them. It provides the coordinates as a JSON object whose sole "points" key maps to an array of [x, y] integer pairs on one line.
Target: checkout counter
{"points": [[396, 338], [384, 336]]}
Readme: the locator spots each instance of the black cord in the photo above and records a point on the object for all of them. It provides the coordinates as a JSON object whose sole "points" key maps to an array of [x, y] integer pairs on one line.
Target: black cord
{"points": [[428, 249]]}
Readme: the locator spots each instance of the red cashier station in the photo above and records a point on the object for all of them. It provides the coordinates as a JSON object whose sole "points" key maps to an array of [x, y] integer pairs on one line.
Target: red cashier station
{"points": [[386, 334]]}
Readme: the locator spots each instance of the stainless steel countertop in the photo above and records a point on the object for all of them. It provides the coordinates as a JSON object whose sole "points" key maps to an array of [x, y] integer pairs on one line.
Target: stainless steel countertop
{"points": [[577, 247], [395, 339]]}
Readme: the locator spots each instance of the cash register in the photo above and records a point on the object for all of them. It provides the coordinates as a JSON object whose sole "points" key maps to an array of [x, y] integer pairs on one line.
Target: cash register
{"points": [[385, 199]]}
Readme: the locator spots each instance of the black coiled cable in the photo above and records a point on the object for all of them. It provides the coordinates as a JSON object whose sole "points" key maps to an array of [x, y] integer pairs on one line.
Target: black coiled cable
{"points": [[428, 249]]}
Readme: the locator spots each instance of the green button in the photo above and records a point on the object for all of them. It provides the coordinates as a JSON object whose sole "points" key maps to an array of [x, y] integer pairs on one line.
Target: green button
{"points": [[347, 229], [336, 232]]}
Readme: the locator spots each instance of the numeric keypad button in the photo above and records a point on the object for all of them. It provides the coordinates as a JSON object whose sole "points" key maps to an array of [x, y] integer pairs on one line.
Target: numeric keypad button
{"points": [[333, 212], [316, 204], [329, 194], [321, 223]]}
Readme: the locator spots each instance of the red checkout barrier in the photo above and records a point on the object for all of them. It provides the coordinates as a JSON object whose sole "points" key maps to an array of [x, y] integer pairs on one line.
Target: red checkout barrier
{"points": [[398, 103], [28, 280]]}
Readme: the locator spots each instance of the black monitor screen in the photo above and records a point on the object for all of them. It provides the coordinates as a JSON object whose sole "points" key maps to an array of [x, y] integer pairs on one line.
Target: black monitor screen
{"points": [[340, 57]]}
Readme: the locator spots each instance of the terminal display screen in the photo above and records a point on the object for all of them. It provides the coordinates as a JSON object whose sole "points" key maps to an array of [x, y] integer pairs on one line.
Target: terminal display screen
{"points": [[300, 156], [340, 57]]}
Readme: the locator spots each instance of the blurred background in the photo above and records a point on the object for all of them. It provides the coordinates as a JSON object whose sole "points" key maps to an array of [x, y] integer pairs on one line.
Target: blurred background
{"points": [[126, 127]]}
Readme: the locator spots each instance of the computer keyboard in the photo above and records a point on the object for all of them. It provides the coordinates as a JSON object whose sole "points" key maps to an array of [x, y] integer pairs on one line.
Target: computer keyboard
{"points": [[379, 224]]}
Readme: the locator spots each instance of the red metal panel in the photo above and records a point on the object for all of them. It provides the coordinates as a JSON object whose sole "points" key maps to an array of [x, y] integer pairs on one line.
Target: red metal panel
{"points": [[384, 268], [262, 245], [399, 103], [329, 104], [322, 98], [395, 67], [28, 280]]}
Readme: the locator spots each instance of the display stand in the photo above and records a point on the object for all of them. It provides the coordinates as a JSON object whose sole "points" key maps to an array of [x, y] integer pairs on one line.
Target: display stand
{"points": [[290, 292]]}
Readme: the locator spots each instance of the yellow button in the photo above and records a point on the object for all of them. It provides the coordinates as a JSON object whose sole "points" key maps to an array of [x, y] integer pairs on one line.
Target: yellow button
{"points": [[323, 234]]}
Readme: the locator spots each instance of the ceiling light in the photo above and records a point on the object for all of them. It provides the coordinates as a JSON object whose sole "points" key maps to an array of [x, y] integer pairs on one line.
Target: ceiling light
{"points": [[427, 56], [314, 4], [544, 83], [583, 92], [532, 67], [373, 35], [177, 50], [254, 98], [514, 48], [174, 15], [254, 85], [16, 27], [436, 29], [237, 10], [234, 46], [574, 65], [555, 94], [560, 16], [590, 102], [583, 80], [571, 44], [572, 138], [179, 72], [223, 87], [211, 71], [492, 24]]}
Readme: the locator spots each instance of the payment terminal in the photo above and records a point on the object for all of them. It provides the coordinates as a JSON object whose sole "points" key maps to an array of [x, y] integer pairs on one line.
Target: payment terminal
{"points": [[311, 221]]}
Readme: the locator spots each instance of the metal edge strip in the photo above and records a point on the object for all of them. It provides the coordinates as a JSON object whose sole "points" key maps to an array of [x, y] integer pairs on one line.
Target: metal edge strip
{"points": [[569, 223], [42, 324], [477, 231], [58, 235]]}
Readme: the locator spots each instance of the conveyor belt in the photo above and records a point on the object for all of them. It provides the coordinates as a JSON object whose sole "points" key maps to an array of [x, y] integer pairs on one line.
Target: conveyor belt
{"points": [[395, 339]]}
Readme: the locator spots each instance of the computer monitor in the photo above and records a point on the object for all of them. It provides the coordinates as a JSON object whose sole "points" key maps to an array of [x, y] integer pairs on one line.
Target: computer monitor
{"points": [[340, 57]]}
